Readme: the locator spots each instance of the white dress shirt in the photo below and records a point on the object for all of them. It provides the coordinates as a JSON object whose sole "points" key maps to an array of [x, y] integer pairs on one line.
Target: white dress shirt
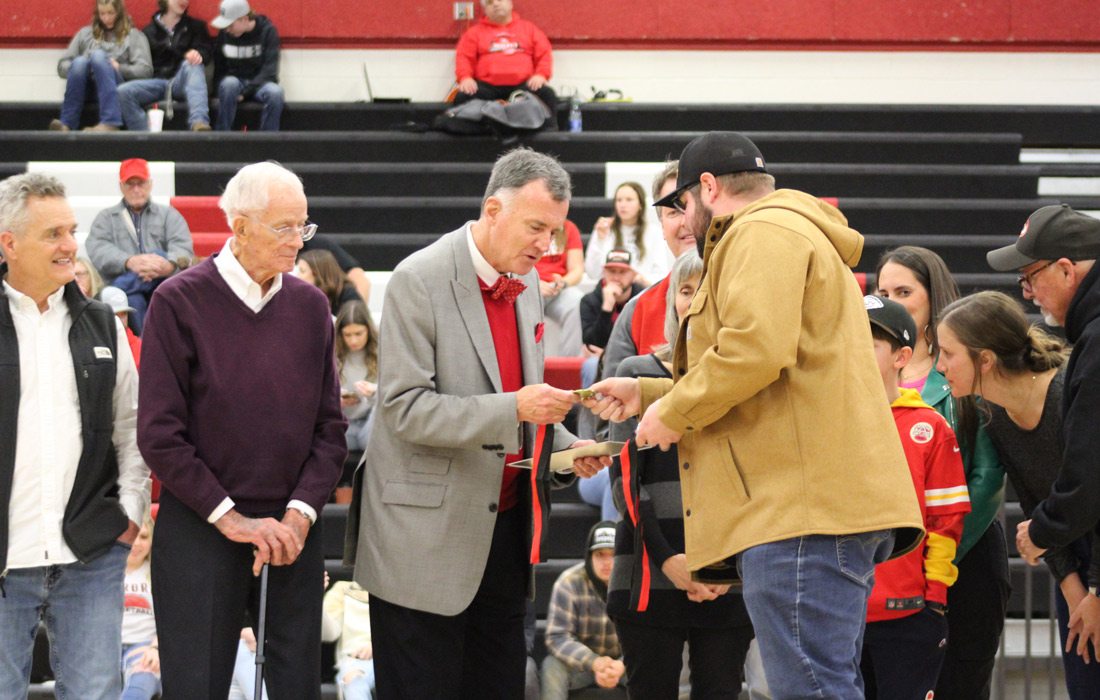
{"points": [[484, 270], [50, 441], [248, 291]]}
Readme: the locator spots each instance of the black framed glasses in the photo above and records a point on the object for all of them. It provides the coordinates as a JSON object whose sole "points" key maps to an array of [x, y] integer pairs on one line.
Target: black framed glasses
{"points": [[1025, 280]]}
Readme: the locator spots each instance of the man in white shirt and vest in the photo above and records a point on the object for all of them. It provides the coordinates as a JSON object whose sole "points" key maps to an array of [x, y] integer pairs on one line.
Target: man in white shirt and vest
{"points": [[73, 486]]}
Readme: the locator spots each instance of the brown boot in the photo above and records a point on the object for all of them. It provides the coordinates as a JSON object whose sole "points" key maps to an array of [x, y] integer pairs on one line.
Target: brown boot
{"points": [[101, 127], [57, 125], [200, 126]]}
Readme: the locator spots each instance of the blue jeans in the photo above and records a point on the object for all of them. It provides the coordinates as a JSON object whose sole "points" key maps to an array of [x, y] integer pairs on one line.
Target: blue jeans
{"points": [[137, 685], [244, 673], [807, 597], [596, 491], [270, 95], [81, 605], [360, 685], [558, 679], [189, 83], [95, 66]]}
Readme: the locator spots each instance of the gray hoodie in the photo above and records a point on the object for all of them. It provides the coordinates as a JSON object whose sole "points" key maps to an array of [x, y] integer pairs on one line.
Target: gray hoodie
{"points": [[133, 55]]}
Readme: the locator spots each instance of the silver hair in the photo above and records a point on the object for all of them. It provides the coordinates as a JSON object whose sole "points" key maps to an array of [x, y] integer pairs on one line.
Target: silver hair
{"points": [[671, 170], [14, 192], [522, 165], [249, 190], [688, 265]]}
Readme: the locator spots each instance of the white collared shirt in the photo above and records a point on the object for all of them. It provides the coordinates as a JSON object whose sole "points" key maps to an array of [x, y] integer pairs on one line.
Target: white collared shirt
{"points": [[254, 298], [484, 270], [49, 439]]}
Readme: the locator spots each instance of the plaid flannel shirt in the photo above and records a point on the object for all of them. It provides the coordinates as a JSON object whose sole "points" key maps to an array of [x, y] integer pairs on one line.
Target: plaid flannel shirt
{"points": [[578, 630]]}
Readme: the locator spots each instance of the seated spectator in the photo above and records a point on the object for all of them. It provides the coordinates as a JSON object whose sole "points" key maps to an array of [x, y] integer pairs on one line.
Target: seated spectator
{"points": [[502, 53], [357, 362], [346, 621], [602, 306], [106, 52], [140, 655], [116, 299], [319, 268], [135, 244], [181, 49], [627, 230], [246, 64], [583, 646], [560, 270], [906, 634], [351, 267], [87, 277]]}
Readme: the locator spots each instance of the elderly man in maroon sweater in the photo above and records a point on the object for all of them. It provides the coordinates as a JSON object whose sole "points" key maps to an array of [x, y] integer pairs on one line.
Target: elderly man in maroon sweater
{"points": [[240, 420]]}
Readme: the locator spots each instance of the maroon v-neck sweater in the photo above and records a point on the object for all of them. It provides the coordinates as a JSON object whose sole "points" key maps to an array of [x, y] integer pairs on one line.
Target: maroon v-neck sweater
{"points": [[236, 403]]}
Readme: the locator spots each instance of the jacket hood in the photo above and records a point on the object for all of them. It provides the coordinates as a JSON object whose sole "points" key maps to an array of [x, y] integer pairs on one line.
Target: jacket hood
{"points": [[599, 537], [847, 241], [1085, 307], [909, 398]]}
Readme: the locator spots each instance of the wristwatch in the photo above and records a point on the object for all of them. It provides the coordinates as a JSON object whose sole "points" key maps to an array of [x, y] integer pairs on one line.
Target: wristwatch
{"points": [[1094, 591]]}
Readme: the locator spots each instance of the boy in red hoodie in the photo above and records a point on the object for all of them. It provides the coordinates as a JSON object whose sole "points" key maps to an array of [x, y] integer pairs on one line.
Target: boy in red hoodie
{"points": [[501, 53], [906, 633]]}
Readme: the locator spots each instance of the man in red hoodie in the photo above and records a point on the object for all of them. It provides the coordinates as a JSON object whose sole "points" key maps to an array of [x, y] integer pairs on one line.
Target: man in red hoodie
{"points": [[501, 53]]}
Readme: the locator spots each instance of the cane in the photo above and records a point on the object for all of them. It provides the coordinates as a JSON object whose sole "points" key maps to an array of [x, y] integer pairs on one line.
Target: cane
{"points": [[258, 693]]}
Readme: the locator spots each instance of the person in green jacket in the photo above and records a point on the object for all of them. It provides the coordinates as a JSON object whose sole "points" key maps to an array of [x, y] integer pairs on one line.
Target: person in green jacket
{"points": [[919, 280]]}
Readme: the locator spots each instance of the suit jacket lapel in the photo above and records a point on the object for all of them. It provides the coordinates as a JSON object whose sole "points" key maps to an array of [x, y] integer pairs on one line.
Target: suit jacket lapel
{"points": [[528, 316], [471, 307]]}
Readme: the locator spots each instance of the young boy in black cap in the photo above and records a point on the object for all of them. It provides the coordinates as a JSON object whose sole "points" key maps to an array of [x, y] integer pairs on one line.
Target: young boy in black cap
{"points": [[906, 634]]}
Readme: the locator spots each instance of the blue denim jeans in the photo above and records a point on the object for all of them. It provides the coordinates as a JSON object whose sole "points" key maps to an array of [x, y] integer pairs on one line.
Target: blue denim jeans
{"points": [[807, 597], [189, 83], [95, 67], [355, 677], [137, 685], [596, 491], [81, 605], [270, 95]]}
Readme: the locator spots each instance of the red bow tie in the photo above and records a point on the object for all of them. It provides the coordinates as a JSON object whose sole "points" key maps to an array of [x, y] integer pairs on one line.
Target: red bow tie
{"points": [[506, 288]]}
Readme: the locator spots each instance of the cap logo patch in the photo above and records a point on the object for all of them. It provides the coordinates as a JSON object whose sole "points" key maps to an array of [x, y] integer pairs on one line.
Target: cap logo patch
{"points": [[760, 162], [872, 302], [1023, 231], [921, 433]]}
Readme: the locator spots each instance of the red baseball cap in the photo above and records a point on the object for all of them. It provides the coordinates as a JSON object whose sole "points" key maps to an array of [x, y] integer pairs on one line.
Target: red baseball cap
{"points": [[134, 167]]}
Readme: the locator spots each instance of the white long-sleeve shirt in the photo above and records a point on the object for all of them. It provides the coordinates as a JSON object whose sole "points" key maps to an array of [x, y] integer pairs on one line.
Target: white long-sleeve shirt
{"points": [[50, 441], [656, 264]]}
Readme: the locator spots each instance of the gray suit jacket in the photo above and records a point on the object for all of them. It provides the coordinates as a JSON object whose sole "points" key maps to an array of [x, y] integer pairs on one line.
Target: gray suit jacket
{"points": [[112, 241], [432, 469]]}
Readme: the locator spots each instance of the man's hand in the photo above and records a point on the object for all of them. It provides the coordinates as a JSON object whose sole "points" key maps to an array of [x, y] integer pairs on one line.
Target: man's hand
{"points": [[275, 542], [1025, 546], [611, 292], [297, 521], [467, 86], [651, 431], [1084, 627], [535, 82], [549, 289], [676, 569], [619, 398], [131, 533], [193, 57], [586, 467], [542, 404], [149, 266], [607, 671]]}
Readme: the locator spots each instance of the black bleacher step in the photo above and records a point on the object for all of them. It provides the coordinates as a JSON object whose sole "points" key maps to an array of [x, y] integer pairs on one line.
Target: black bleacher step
{"points": [[334, 518], [1040, 125], [336, 147], [569, 526], [960, 252], [468, 179], [940, 216]]}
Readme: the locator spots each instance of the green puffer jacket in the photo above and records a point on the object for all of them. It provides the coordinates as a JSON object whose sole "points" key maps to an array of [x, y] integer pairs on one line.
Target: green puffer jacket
{"points": [[985, 477]]}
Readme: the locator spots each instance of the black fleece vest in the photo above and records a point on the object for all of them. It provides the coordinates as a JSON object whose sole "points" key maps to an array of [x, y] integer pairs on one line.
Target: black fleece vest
{"points": [[93, 516]]}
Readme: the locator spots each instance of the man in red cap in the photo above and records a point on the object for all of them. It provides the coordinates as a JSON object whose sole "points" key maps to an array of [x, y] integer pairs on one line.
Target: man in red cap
{"points": [[137, 243]]}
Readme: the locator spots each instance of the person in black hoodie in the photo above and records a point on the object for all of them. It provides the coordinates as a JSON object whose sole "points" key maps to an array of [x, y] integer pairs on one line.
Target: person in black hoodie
{"points": [[181, 49], [246, 64]]}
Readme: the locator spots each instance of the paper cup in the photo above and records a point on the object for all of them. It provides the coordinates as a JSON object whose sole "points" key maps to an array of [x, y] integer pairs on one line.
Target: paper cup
{"points": [[156, 119]]}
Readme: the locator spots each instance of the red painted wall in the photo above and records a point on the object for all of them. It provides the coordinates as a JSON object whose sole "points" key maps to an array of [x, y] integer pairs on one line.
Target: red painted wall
{"points": [[1028, 25]]}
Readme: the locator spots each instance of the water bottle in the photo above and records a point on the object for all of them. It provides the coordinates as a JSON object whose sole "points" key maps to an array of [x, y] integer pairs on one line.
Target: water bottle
{"points": [[575, 125]]}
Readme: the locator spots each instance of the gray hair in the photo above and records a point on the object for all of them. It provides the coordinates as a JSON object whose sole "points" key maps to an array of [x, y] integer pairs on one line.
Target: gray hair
{"points": [[688, 265], [522, 165], [671, 170], [14, 193], [249, 190]]}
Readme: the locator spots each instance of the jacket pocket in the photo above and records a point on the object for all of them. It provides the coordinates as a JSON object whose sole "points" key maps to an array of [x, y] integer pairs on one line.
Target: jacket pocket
{"points": [[412, 493], [737, 489], [428, 464]]}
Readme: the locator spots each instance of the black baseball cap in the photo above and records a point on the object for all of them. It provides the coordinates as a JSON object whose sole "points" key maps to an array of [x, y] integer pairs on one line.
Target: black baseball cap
{"points": [[891, 317], [1050, 233], [718, 153]]}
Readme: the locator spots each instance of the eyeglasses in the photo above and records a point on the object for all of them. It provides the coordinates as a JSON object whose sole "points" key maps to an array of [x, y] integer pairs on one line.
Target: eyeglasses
{"points": [[668, 212], [1025, 280], [306, 231], [680, 204]]}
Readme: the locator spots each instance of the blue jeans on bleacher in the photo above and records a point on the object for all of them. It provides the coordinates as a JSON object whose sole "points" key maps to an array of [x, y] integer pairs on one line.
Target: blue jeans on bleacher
{"points": [[81, 604], [95, 67], [189, 83], [361, 684], [270, 95]]}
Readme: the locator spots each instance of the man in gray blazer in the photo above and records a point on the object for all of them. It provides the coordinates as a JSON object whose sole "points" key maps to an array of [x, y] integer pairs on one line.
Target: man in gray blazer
{"points": [[137, 243], [445, 528]]}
